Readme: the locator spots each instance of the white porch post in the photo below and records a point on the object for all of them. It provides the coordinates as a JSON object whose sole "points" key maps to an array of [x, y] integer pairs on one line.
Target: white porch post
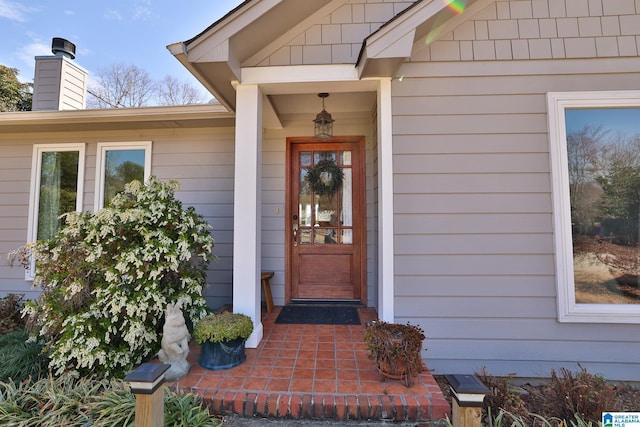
{"points": [[386, 288], [247, 208]]}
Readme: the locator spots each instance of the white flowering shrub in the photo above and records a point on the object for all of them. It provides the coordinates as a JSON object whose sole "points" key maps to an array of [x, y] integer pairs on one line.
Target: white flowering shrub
{"points": [[107, 277]]}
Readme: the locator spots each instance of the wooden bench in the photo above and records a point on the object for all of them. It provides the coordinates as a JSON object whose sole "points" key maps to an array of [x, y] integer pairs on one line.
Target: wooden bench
{"points": [[266, 286]]}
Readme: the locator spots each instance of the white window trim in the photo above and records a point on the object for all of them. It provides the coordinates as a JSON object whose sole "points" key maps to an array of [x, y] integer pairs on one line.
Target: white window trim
{"points": [[34, 192], [568, 309], [103, 147]]}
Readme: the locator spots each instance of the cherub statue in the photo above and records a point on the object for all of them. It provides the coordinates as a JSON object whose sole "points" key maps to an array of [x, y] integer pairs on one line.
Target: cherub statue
{"points": [[175, 343]]}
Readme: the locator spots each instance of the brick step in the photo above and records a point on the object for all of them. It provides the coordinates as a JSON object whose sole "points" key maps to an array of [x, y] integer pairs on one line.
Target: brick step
{"points": [[394, 408]]}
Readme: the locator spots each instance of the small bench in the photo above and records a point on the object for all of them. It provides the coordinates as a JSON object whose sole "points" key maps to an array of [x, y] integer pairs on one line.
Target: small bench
{"points": [[266, 286]]}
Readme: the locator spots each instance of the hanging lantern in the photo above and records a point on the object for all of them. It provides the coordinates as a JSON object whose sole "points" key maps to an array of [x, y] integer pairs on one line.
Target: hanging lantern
{"points": [[323, 122]]}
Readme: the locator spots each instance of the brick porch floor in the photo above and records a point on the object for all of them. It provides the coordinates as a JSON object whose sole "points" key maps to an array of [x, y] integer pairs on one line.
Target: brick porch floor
{"points": [[319, 372]]}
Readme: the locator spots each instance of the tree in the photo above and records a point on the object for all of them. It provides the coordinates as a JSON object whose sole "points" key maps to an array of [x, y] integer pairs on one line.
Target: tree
{"points": [[14, 95], [123, 85], [173, 92], [120, 86], [585, 153]]}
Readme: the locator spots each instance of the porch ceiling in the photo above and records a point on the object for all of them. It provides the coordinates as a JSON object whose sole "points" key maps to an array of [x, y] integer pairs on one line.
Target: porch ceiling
{"points": [[338, 103]]}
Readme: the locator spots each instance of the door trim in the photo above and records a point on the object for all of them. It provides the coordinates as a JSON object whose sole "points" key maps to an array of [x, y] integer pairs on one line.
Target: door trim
{"points": [[360, 210]]}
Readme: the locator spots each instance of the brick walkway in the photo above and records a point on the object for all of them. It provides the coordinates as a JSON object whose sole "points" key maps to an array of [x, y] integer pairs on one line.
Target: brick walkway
{"points": [[318, 372]]}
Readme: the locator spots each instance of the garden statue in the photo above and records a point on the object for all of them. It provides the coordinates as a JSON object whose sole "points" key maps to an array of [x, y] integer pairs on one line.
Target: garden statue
{"points": [[175, 343]]}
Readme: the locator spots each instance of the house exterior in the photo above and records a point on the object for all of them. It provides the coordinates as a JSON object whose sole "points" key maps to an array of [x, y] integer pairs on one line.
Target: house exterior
{"points": [[451, 127]]}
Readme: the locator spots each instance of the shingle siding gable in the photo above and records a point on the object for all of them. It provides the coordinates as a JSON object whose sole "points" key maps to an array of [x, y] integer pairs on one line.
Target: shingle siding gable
{"points": [[337, 37], [543, 29]]}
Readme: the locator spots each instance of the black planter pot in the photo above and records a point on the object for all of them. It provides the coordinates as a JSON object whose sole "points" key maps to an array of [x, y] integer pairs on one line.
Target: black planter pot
{"points": [[222, 355]]}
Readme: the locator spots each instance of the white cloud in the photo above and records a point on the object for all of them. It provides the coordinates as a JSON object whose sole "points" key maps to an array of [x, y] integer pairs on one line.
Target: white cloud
{"points": [[141, 12], [29, 52], [112, 14], [14, 11], [26, 55]]}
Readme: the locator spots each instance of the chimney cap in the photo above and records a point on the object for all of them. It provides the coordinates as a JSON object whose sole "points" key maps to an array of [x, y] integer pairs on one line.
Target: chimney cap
{"points": [[60, 46]]}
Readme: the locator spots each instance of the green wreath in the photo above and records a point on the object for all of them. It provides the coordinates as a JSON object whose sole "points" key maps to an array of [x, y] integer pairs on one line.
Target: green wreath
{"points": [[325, 178]]}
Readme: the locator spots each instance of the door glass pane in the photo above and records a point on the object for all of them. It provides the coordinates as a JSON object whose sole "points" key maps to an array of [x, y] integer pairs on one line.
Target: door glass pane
{"points": [[347, 237], [121, 167], [347, 198], [58, 190], [324, 155], [324, 236], [304, 200], [326, 211], [345, 158], [305, 158], [305, 236]]}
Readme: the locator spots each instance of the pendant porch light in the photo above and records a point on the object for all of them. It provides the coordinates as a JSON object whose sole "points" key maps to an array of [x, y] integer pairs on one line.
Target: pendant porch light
{"points": [[323, 122]]}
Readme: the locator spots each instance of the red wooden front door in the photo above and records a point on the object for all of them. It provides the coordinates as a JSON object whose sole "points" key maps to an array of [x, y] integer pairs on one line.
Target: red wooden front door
{"points": [[325, 226]]}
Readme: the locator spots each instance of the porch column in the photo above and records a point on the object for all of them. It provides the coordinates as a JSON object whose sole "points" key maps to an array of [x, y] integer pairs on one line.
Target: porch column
{"points": [[247, 208], [386, 288]]}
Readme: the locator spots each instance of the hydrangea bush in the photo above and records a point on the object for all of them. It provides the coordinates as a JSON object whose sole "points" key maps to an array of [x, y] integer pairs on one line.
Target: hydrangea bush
{"points": [[108, 276]]}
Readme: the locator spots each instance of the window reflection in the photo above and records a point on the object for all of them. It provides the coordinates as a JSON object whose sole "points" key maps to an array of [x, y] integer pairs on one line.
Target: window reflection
{"points": [[58, 191], [603, 153], [121, 167]]}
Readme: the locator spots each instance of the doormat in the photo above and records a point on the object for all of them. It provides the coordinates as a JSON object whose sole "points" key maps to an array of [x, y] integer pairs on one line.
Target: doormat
{"points": [[318, 315]]}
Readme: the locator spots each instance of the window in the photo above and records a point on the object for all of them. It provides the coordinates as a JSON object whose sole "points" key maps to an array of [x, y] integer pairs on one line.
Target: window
{"points": [[117, 164], [595, 164], [57, 176]]}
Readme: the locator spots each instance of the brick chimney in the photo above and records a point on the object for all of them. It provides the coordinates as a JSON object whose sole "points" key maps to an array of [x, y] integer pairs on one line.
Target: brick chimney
{"points": [[59, 83]]}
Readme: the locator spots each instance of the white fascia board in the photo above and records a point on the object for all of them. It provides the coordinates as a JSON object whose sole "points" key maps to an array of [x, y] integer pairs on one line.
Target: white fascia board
{"points": [[218, 53], [222, 55], [299, 74], [400, 48]]}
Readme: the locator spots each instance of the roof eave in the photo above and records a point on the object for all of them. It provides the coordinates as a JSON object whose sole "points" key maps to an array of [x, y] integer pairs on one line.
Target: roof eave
{"points": [[182, 116], [224, 93]]}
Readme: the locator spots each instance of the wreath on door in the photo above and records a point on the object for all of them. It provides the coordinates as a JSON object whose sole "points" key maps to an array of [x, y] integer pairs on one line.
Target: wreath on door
{"points": [[325, 178]]}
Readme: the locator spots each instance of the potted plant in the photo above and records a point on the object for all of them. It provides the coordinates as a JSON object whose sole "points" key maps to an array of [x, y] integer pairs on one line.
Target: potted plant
{"points": [[222, 337], [396, 348]]}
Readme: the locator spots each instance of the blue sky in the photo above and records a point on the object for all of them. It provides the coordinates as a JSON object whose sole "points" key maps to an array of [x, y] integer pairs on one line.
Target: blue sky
{"points": [[623, 120], [132, 32]]}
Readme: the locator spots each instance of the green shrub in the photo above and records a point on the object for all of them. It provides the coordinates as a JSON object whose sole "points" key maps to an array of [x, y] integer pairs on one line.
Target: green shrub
{"points": [[69, 401], [225, 326], [108, 276], [21, 358]]}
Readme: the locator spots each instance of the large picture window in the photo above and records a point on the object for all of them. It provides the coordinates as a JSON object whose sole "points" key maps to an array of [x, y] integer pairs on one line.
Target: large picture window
{"points": [[595, 155], [118, 164], [56, 188]]}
